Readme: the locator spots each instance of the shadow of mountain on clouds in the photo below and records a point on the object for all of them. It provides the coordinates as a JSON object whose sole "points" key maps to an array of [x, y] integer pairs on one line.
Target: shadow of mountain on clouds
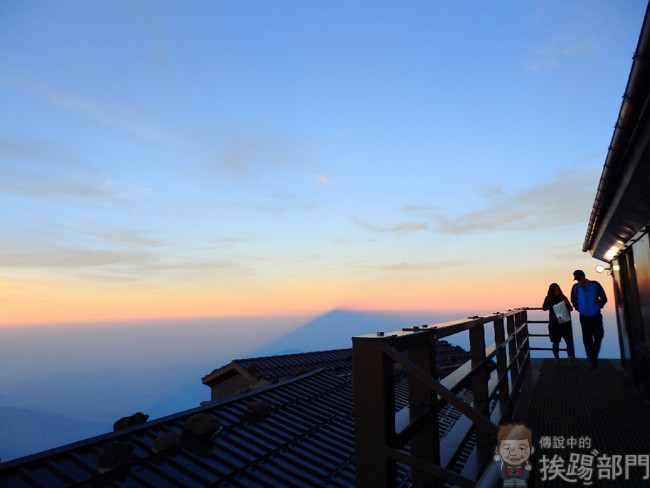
{"points": [[335, 329], [332, 330]]}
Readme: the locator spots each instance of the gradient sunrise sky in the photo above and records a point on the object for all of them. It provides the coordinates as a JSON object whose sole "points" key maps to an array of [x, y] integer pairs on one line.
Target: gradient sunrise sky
{"points": [[195, 159]]}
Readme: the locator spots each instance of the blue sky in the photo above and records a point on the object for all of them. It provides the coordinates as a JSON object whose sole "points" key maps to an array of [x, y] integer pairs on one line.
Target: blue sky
{"points": [[166, 159]]}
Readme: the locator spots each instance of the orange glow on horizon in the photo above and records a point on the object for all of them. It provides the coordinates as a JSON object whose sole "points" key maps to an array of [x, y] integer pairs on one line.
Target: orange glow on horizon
{"points": [[58, 300], [192, 303]]}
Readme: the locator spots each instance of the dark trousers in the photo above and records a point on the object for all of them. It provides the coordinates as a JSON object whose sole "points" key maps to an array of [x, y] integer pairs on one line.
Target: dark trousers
{"points": [[592, 335], [557, 332]]}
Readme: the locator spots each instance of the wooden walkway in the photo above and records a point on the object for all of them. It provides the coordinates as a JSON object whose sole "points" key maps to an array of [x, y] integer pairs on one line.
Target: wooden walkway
{"points": [[582, 421]]}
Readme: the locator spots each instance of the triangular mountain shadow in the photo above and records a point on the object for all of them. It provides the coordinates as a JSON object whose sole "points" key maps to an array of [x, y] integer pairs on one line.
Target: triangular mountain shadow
{"points": [[335, 329]]}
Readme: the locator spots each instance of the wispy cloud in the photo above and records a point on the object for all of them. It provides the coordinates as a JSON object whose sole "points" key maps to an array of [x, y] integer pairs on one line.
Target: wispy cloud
{"points": [[73, 186], [562, 200], [590, 158], [563, 251], [41, 168], [243, 156], [108, 277], [227, 244], [117, 254], [339, 241], [271, 207], [115, 234], [322, 179], [237, 239], [489, 191], [275, 203], [84, 107], [80, 106], [421, 209], [555, 53], [35, 152], [405, 266], [70, 257], [115, 265], [194, 266], [400, 228]]}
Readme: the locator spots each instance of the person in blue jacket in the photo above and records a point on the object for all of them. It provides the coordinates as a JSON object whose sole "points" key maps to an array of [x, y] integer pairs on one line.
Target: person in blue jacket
{"points": [[588, 297]]}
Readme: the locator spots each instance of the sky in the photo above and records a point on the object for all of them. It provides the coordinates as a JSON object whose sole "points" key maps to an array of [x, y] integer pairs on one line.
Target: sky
{"points": [[217, 159]]}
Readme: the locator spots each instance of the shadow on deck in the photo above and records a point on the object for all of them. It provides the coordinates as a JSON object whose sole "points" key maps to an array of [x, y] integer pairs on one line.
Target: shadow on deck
{"points": [[600, 410]]}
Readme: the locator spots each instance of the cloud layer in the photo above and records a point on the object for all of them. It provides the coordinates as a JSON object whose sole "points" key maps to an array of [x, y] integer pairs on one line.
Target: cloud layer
{"points": [[564, 199]]}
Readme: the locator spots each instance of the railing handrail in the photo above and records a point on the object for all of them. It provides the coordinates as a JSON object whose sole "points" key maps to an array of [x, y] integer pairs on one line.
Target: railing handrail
{"points": [[446, 329], [379, 444], [541, 335]]}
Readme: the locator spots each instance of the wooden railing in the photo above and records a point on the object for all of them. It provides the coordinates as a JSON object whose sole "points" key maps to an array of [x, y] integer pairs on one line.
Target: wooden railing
{"points": [[411, 436], [534, 348]]}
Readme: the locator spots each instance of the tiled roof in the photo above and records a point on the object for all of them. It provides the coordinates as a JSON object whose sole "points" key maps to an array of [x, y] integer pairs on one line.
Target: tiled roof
{"points": [[291, 364], [302, 437], [448, 357], [305, 439]]}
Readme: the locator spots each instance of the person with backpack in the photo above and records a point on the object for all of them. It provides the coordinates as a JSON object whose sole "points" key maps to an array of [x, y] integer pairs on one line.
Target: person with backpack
{"points": [[559, 323]]}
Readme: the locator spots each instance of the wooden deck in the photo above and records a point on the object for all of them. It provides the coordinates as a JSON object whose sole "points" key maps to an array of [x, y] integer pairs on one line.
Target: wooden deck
{"points": [[585, 416]]}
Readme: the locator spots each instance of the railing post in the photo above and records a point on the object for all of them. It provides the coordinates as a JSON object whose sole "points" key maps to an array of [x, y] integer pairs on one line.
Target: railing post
{"points": [[426, 443], [480, 382], [520, 342], [525, 343], [512, 350], [502, 365], [374, 415]]}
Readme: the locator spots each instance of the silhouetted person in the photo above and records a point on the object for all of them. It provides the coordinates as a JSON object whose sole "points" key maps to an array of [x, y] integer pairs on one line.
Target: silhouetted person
{"points": [[559, 323], [588, 297]]}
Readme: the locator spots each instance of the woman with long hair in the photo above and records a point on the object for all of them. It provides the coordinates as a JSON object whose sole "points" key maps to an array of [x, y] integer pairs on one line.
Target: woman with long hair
{"points": [[559, 323]]}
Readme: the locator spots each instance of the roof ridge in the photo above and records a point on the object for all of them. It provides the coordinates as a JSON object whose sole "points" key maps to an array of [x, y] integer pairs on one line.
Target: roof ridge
{"points": [[293, 354]]}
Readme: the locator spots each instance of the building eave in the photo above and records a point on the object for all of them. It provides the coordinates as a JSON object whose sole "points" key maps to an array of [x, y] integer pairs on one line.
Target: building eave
{"points": [[614, 219]]}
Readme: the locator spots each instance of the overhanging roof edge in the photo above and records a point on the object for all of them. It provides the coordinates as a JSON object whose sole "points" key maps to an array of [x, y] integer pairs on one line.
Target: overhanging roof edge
{"points": [[635, 94]]}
